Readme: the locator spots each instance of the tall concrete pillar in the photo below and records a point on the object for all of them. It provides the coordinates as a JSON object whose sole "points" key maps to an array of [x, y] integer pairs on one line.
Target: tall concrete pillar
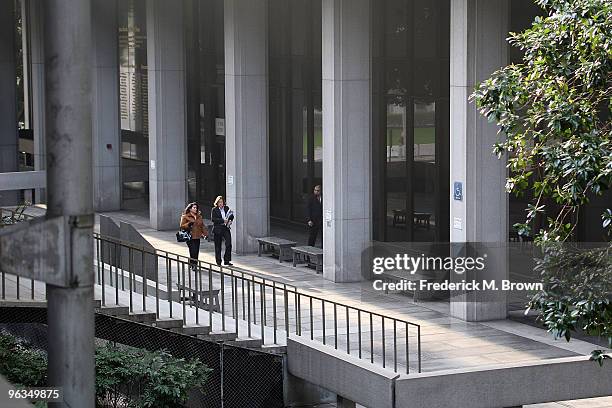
{"points": [[9, 138], [478, 48], [246, 119], [70, 315], [36, 84], [105, 107], [167, 140], [347, 170]]}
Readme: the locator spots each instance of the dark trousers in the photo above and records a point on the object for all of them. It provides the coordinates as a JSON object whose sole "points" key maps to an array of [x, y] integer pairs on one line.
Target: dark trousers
{"points": [[313, 232], [194, 251], [222, 233]]}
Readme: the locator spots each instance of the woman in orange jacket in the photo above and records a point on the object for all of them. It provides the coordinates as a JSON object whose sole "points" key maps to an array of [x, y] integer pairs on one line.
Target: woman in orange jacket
{"points": [[191, 220]]}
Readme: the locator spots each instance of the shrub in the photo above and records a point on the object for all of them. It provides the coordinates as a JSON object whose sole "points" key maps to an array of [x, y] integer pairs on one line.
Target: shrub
{"points": [[125, 377], [138, 378], [21, 364], [577, 292]]}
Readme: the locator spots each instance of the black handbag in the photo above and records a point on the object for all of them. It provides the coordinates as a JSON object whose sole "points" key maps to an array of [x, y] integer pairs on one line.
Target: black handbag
{"points": [[183, 236]]}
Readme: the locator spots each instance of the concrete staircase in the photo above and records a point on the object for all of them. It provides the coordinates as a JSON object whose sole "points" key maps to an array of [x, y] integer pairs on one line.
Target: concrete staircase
{"points": [[176, 324]]}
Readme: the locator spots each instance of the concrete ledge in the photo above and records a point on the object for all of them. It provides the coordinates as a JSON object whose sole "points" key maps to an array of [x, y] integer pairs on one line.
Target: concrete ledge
{"points": [[23, 180], [336, 371], [506, 385], [23, 303]]}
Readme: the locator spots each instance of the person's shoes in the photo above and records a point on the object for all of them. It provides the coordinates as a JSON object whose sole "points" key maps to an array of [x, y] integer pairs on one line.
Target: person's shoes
{"points": [[229, 264]]}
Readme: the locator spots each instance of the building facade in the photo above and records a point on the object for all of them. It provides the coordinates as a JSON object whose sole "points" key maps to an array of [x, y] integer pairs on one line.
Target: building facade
{"points": [[261, 100]]}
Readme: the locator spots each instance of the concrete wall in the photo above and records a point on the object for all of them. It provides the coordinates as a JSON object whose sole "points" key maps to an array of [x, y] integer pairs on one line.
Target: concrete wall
{"points": [[503, 385], [349, 377], [109, 228], [144, 265], [123, 257], [506, 386], [105, 102]]}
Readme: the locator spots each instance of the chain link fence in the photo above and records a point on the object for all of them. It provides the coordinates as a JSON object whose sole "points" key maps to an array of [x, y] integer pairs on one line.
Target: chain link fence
{"points": [[241, 378]]}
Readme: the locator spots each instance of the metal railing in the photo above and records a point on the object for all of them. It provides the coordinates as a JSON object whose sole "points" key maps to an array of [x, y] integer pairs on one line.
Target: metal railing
{"points": [[230, 300]]}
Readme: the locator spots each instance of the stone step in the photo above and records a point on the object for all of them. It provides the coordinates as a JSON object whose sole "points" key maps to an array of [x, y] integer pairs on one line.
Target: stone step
{"points": [[246, 342], [143, 317], [168, 323], [194, 330], [218, 336], [274, 348], [23, 303], [114, 310]]}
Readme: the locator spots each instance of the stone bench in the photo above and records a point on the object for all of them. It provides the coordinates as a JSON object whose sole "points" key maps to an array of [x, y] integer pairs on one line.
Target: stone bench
{"points": [[276, 246], [201, 297], [310, 255]]}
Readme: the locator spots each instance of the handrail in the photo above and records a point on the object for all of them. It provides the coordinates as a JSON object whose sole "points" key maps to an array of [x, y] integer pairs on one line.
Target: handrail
{"points": [[241, 302], [174, 256]]}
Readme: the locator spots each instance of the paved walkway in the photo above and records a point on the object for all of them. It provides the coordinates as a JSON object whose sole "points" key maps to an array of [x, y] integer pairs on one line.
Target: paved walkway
{"points": [[447, 342]]}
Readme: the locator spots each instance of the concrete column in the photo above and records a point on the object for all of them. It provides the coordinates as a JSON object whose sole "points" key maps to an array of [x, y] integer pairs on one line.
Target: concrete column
{"points": [[36, 82], [246, 120], [9, 138], [69, 179], [347, 169], [478, 48], [167, 140], [105, 107]]}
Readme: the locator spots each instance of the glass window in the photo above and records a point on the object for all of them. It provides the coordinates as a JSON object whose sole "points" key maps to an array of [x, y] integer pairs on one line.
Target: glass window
{"points": [[295, 128], [410, 119], [133, 105], [205, 94]]}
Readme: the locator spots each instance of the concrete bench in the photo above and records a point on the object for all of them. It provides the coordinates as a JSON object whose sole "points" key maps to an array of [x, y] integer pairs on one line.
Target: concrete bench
{"points": [[310, 255], [276, 246], [202, 297]]}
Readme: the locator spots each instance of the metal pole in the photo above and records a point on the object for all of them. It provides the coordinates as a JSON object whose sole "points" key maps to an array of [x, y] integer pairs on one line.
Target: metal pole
{"points": [[69, 184]]}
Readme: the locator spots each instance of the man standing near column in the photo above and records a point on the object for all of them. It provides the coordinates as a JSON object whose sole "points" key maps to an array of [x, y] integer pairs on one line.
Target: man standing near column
{"points": [[315, 216]]}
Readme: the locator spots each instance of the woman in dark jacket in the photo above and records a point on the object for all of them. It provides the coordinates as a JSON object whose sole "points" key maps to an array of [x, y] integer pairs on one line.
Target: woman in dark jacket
{"points": [[191, 220]]}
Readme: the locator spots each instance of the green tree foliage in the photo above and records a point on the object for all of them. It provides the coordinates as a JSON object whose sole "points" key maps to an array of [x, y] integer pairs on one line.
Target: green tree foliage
{"points": [[554, 111]]}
